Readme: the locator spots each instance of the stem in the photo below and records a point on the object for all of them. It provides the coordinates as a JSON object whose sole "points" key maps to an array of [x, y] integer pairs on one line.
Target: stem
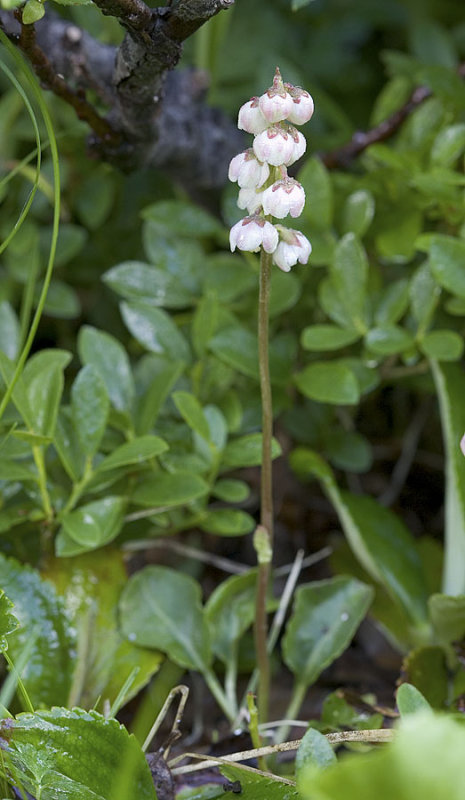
{"points": [[42, 480], [264, 548], [218, 694], [292, 710], [230, 682]]}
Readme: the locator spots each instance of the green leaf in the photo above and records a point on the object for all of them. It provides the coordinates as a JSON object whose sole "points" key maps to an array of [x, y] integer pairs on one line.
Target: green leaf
{"points": [[256, 786], [306, 462], [448, 145], [94, 198], [442, 345], [450, 387], [285, 291], [427, 669], [230, 611], [228, 276], [204, 323], [9, 331], [314, 750], [431, 43], [135, 280], [400, 227], [155, 330], [137, 452], [91, 585], [358, 212], [169, 489], [32, 12], [349, 274], [111, 361], [246, 451], [161, 608], [90, 405], [182, 219], [192, 412], [393, 302], [424, 295], [43, 621], [409, 768], [326, 615], [387, 340], [67, 445], [44, 382], [316, 182], [227, 522], [348, 450], [447, 257], [95, 524], [328, 382], [448, 616], [409, 700], [231, 490], [77, 754], [327, 337], [161, 377], [8, 622]]}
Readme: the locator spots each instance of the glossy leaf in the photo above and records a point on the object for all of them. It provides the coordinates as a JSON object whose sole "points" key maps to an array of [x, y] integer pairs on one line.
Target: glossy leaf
{"points": [[443, 345], [91, 586], [393, 303], [325, 617], [155, 330], [256, 786], [358, 212], [314, 750], [448, 145], [44, 382], [349, 274], [90, 405], [43, 620], [409, 700], [246, 451], [227, 522], [169, 489], [137, 452], [192, 412], [182, 219], [448, 616], [231, 490], [447, 256], [387, 340], [328, 382], [204, 323], [327, 337], [314, 178], [161, 608], [8, 622], [95, 524], [77, 754], [135, 280], [427, 669], [162, 375], [230, 611], [111, 361]]}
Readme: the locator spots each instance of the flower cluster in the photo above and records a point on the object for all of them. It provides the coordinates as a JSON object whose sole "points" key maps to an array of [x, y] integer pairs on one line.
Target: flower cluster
{"points": [[265, 189]]}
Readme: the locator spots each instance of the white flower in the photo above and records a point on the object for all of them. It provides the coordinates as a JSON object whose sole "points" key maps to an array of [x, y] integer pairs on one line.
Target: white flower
{"points": [[251, 118], [251, 233], [275, 146], [247, 170], [300, 144], [293, 247], [302, 105], [276, 104], [284, 197], [250, 199]]}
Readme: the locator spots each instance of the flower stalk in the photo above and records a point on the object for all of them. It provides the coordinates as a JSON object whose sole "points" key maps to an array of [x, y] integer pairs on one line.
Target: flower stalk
{"points": [[267, 192]]}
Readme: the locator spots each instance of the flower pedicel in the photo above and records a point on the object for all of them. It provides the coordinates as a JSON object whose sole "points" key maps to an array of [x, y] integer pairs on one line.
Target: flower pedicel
{"points": [[261, 173]]}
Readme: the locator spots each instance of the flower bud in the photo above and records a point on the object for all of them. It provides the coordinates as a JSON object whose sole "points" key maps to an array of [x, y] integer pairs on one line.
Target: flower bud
{"points": [[284, 197], [300, 144], [276, 104], [250, 199], [293, 247], [251, 118], [251, 233], [247, 170], [302, 105], [275, 146]]}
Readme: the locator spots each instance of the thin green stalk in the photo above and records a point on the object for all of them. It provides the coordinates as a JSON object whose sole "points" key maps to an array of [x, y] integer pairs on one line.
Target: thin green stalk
{"points": [[35, 88], [263, 540], [230, 683], [217, 692], [38, 454], [292, 711]]}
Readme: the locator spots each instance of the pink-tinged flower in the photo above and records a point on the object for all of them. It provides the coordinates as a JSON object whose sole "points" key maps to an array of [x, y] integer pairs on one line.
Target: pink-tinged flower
{"points": [[251, 233], [300, 144], [302, 105], [276, 104], [293, 247], [247, 170], [284, 197], [462, 444], [250, 199], [275, 146], [251, 118]]}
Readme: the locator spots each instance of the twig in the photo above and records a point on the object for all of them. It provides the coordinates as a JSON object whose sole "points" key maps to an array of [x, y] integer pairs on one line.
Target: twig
{"points": [[367, 737], [53, 81]]}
